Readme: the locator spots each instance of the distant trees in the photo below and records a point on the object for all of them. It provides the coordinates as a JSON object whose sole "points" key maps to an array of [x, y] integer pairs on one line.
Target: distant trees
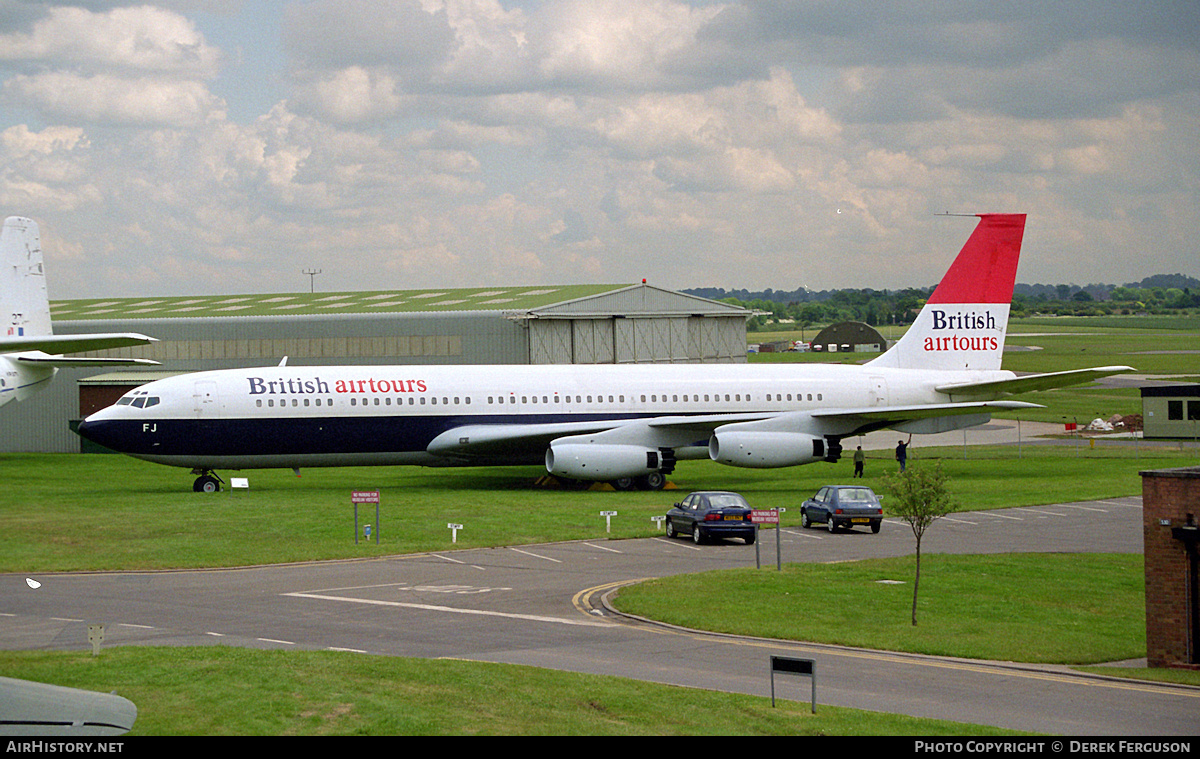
{"points": [[1160, 294]]}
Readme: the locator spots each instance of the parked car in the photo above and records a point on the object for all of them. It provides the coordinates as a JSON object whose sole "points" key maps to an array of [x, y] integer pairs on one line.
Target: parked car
{"points": [[842, 506], [711, 514]]}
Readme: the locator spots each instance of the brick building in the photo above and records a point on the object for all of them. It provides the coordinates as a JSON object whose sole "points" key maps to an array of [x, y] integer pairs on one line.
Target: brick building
{"points": [[1170, 528]]}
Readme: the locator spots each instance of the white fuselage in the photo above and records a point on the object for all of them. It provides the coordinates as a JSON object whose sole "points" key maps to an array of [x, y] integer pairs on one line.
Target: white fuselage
{"points": [[344, 415]]}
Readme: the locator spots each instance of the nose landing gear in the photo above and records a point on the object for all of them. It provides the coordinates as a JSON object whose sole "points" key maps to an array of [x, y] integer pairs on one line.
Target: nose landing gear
{"points": [[207, 482]]}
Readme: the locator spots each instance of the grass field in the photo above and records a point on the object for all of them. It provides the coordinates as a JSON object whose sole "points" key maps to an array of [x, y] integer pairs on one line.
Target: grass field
{"points": [[1050, 608], [219, 690], [64, 512]]}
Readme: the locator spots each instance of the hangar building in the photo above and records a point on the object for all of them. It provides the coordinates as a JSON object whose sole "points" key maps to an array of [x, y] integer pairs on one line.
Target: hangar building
{"points": [[850, 337], [581, 324]]}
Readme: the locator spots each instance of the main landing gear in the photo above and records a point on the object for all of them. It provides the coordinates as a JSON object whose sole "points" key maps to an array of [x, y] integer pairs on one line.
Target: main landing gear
{"points": [[652, 481], [207, 482]]}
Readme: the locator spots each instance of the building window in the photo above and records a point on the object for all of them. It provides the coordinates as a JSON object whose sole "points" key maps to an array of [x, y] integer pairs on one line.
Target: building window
{"points": [[1175, 411]]}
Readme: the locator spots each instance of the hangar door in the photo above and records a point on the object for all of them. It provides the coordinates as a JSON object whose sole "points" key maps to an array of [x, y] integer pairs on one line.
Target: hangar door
{"points": [[635, 340], [571, 341]]}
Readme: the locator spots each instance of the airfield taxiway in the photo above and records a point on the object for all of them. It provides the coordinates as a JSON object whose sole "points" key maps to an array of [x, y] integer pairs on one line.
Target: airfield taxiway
{"points": [[543, 605]]}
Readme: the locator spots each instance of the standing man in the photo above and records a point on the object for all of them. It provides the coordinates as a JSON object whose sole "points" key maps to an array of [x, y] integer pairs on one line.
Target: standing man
{"points": [[902, 452], [858, 462]]}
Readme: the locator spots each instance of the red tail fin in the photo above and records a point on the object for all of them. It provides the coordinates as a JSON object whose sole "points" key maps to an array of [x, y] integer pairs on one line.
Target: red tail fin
{"points": [[963, 324], [986, 268]]}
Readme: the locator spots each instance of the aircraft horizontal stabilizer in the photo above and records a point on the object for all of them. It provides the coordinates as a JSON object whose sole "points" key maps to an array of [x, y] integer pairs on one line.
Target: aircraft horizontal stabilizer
{"points": [[73, 343], [69, 361], [1032, 382]]}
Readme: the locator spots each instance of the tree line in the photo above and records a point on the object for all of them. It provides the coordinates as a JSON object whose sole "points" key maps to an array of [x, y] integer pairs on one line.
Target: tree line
{"points": [[1158, 294]]}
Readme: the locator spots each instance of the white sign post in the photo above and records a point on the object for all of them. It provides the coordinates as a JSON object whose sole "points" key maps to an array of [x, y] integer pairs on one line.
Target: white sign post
{"points": [[454, 528], [608, 515]]}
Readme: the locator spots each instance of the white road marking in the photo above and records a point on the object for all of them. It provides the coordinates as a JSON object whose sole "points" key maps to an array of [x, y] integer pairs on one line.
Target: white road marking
{"points": [[536, 556], [601, 548], [453, 610]]}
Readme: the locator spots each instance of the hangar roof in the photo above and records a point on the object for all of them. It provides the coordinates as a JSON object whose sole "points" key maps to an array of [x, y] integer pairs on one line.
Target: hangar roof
{"points": [[540, 300], [288, 304]]}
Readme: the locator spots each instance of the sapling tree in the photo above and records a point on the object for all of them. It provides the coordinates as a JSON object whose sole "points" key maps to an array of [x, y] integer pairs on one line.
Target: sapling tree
{"points": [[918, 496]]}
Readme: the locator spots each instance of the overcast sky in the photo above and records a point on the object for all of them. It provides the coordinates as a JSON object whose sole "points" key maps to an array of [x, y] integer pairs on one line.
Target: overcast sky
{"points": [[190, 147]]}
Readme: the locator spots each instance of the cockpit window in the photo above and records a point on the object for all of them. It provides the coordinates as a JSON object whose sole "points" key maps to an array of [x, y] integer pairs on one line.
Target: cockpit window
{"points": [[139, 400]]}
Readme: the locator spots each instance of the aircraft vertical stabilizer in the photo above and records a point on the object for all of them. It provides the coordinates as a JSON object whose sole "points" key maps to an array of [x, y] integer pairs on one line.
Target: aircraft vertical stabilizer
{"points": [[23, 296], [963, 324], [29, 350]]}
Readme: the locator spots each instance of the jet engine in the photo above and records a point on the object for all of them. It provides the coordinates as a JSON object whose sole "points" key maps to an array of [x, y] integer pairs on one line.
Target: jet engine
{"points": [[757, 449], [587, 461]]}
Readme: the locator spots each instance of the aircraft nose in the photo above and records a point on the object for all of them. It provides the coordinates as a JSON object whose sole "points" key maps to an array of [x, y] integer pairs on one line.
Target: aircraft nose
{"points": [[96, 431]]}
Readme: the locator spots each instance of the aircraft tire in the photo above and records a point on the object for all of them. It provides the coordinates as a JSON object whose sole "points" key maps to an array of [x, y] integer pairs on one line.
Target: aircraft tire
{"points": [[652, 481], [206, 484]]}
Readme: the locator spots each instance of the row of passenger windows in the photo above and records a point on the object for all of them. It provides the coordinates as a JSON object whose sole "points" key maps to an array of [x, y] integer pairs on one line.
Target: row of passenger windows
{"points": [[528, 399], [384, 401], [653, 398]]}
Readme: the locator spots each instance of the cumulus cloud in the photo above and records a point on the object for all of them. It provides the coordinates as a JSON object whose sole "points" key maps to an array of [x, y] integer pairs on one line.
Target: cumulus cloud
{"points": [[436, 142], [139, 39], [137, 65], [108, 99]]}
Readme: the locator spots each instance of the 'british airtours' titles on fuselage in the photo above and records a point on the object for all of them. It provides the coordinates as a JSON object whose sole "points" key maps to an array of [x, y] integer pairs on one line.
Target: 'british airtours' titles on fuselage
{"points": [[969, 320], [298, 386]]}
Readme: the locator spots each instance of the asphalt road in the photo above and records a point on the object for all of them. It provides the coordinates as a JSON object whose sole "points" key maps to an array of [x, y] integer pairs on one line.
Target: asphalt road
{"points": [[543, 605]]}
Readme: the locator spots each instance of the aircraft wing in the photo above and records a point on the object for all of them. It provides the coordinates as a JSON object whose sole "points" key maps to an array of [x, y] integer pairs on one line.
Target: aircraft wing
{"points": [[72, 343], [1032, 382], [677, 431], [493, 439], [845, 422], [39, 709]]}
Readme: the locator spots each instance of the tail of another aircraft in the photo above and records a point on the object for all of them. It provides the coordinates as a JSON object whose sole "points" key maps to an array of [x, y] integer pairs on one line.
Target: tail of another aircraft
{"points": [[29, 349], [23, 295], [963, 324]]}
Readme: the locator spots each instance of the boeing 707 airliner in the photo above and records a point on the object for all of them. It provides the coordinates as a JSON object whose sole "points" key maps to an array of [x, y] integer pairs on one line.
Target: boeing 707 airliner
{"points": [[624, 424]]}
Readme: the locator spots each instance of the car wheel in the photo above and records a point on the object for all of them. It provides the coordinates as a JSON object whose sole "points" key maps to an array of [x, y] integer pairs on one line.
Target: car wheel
{"points": [[832, 525], [805, 522], [749, 540], [671, 529], [697, 536], [875, 526]]}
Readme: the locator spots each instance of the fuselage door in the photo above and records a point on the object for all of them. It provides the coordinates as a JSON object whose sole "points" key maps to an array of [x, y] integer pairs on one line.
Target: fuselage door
{"points": [[204, 397], [877, 390]]}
